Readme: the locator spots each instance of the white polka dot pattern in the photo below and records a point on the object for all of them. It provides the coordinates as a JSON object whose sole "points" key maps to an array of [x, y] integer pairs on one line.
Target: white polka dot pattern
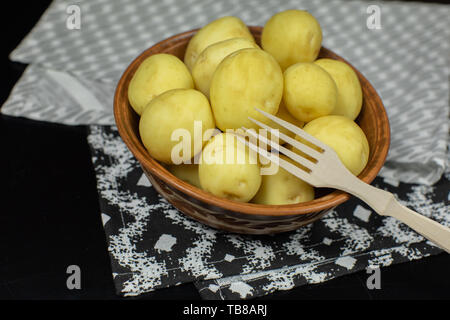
{"points": [[406, 60]]}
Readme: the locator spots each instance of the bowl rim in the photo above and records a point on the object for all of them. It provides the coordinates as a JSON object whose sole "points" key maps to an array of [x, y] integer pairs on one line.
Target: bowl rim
{"points": [[152, 166]]}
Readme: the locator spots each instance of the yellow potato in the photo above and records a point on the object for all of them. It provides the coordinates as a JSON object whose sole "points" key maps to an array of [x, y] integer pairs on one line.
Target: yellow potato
{"points": [[349, 99], [157, 74], [210, 58], [284, 114], [186, 172], [228, 169], [345, 137], [245, 79], [292, 36], [218, 30], [309, 91], [283, 188], [172, 110]]}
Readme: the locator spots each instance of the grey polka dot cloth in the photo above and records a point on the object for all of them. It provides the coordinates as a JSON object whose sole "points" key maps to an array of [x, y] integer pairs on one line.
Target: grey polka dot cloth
{"points": [[73, 72], [71, 80]]}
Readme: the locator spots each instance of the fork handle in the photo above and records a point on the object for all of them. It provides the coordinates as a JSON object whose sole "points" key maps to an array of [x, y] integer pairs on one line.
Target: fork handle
{"points": [[384, 203]]}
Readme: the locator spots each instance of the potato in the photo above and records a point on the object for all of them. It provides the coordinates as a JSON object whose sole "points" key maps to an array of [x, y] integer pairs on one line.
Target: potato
{"points": [[284, 114], [157, 74], [210, 58], [245, 79], [283, 188], [218, 30], [171, 110], [228, 169], [349, 99], [309, 91], [186, 172], [345, 137], [292, 36]]}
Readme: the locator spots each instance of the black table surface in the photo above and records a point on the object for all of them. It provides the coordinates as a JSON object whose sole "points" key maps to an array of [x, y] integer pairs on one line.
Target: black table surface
{"points": [[49, 213]]}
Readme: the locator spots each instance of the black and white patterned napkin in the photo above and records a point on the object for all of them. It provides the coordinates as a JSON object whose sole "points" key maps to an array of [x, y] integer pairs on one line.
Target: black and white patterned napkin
{"points": [[152, 245]]}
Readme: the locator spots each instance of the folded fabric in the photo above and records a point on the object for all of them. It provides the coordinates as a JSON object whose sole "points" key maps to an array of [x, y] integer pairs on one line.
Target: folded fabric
{"points": [[56, 96], [406, 61], [152, 245]]}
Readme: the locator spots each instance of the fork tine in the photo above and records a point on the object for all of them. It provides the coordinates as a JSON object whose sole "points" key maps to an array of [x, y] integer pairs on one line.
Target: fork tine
{"points": [[297, 158], [299, 173], [294, 129], [295, 143]]}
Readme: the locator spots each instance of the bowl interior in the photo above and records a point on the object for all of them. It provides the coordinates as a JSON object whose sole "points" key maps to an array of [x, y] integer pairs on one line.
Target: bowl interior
{"points": [[372, 120]]}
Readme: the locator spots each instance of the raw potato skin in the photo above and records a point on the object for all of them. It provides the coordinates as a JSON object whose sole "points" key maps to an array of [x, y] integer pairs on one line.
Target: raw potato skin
{"points": [[283, 188], [210, 58], [233, 180], [174, 109], [345, 137], [157, 74], [309, 91], [284, 114], [349, 100], [221, 29], [245, 80], [292, 36], [186, 172]]}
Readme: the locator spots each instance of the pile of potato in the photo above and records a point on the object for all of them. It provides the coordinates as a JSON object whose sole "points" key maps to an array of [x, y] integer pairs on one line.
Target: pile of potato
{"points": [[225, 75]]}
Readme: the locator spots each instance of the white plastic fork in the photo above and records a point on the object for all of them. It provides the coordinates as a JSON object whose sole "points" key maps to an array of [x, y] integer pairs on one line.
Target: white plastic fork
{"points": [[328, 171]]}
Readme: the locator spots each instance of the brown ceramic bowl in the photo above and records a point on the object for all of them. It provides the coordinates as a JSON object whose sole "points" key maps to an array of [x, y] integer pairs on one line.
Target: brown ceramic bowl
{"points": [[235, 216]]}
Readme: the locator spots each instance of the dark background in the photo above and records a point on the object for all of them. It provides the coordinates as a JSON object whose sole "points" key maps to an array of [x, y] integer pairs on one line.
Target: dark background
{"points": [[50, 217]]}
